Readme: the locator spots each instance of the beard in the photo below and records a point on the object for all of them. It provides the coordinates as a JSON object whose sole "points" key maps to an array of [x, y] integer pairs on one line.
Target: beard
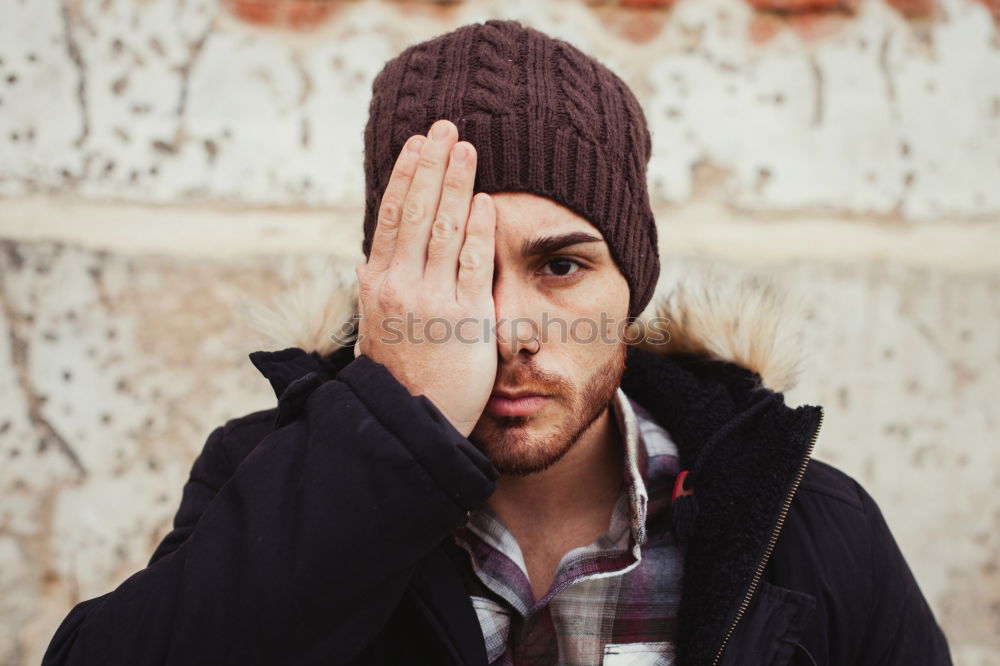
{"points": [[509, 442]]}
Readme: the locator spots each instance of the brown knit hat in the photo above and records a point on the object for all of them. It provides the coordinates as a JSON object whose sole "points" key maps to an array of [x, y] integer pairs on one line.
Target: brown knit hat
{"points": [[544, 118]]}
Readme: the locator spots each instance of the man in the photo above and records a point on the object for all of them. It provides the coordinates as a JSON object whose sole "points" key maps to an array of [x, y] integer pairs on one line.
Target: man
{"points": [[471, 484]]}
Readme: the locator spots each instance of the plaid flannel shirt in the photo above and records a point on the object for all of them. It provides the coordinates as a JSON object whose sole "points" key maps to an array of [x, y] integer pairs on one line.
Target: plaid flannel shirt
{"points": [[613, 601]]}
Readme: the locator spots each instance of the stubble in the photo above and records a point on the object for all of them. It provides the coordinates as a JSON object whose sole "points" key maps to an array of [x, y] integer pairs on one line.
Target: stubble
{"points": [[516, 451]]}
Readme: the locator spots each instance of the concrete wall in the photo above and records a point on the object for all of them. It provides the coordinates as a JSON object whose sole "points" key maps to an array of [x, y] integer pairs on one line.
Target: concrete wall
{"points": [[160, 158]]}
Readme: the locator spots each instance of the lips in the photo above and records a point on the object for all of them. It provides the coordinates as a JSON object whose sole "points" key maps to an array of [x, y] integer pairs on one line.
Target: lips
{"points": [[522, 403]]}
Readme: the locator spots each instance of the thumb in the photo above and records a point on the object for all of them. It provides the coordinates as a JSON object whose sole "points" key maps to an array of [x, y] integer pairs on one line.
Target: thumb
{"points": [[359, 305]]}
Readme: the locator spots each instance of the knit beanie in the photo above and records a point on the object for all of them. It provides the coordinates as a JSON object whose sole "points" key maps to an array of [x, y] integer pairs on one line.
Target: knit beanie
{"points": [[544, 117]]}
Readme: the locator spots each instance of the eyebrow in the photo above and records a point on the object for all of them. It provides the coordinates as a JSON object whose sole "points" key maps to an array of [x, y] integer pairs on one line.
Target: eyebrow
{"points": [[548, 244]]}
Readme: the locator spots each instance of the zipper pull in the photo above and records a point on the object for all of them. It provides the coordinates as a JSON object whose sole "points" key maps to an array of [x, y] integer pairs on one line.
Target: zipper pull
{"points": [[683, 508]]}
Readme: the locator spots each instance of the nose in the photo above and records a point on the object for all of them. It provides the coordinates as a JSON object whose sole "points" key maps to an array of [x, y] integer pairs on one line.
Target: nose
{"points": [[518, 316]]}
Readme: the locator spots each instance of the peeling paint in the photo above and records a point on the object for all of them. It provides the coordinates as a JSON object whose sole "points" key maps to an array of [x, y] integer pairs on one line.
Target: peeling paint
{"points": [[152, 84]]}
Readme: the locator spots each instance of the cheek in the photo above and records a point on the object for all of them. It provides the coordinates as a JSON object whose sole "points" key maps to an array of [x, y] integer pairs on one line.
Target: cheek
{"points": [[585, 352], [605, 300], [585, 324], [604, 291]]}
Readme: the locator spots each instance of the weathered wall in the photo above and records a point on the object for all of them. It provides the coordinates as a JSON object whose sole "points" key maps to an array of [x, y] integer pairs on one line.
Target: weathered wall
{"points": [[159, 157]]}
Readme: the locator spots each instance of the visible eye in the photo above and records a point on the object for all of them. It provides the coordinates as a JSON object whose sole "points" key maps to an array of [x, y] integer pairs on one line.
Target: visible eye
{"points": [[561, 267]]}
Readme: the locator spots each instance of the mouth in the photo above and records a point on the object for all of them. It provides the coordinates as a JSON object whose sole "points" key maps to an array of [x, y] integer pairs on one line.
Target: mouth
{"points": [[520, 403]]}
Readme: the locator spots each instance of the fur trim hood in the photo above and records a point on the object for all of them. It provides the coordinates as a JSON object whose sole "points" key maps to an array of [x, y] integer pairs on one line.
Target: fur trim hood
{"points": [[738, 318]]}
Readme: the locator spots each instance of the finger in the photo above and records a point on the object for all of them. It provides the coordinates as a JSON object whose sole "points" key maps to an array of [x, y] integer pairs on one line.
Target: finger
{"points": [[360, 271], [422, 200], [475, 261], [448, 229], [391, 209]]}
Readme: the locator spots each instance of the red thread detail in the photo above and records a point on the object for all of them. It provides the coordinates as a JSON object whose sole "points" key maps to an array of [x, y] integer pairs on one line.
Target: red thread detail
{"points": [[679, 490]]}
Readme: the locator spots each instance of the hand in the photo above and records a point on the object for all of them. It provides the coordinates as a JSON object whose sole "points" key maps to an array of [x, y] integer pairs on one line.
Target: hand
{"points": [[432, 259]]}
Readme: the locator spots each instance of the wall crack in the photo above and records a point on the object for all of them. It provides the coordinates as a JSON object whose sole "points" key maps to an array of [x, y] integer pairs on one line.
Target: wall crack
{"points": [[19, 365]]}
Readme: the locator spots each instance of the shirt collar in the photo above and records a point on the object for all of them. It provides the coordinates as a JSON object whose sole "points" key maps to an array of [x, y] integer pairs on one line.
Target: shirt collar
{"points": [[635, 464]]}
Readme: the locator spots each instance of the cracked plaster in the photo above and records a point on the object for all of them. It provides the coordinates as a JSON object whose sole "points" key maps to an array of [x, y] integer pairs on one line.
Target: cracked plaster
{"points": [[166, 102]]}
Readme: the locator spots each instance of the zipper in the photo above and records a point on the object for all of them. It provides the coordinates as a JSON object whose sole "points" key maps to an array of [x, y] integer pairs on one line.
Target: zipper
{"points": [[759, 573]]}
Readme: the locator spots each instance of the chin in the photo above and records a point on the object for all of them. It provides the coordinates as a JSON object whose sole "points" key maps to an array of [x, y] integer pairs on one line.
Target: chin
{"points": [[518, 446], [523, 445]]}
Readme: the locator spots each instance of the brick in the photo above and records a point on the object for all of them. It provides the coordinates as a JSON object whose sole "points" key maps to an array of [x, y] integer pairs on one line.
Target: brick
{"points": [[636, 25], [646, 4], [811, 26], [993, 6], [800, 6], [912, 8], [292, 14], [763, 27]]}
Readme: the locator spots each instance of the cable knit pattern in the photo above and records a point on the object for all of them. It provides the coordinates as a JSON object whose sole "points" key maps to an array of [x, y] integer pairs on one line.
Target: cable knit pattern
{"points": [[544, 117], [496, 74], [577, 99]]}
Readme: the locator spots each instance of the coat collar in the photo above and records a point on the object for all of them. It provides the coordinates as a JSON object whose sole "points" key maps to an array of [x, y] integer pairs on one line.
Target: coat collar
{"points": [[747, 480], [728, 349]]}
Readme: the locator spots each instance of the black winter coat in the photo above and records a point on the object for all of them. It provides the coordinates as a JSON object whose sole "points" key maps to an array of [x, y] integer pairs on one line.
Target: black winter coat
{"points": [[318, 532]]}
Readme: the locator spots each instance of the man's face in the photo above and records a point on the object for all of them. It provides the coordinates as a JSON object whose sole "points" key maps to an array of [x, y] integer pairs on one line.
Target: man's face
{"points": [[554, 275]]}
